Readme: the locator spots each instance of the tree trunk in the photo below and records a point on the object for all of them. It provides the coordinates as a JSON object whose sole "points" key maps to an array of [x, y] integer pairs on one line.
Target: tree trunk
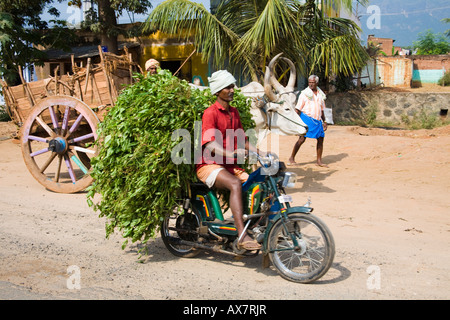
{"points": [[107, 18]]}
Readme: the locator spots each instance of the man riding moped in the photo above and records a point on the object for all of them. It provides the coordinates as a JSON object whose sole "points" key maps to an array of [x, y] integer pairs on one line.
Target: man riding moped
{"points": [[223, 142], [298, 244]]}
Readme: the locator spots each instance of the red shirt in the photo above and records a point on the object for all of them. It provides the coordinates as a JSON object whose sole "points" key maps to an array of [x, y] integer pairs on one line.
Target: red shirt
{"points": [[221, 126]]}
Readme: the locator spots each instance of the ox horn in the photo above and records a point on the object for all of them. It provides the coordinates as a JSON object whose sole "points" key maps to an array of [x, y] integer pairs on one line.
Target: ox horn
{"points": [[269, 80], [293, 75], [273, 81], [292, 78], [268, 86]]}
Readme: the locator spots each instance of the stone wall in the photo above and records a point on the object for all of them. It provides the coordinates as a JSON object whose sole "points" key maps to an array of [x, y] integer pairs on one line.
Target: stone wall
{"points": [[352, 107]]}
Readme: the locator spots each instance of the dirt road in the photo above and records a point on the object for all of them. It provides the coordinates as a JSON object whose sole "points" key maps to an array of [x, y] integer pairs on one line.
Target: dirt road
{"points": [[385, 196]]}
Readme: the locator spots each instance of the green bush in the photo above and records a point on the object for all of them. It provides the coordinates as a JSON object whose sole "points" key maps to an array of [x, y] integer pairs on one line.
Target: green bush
{"points": [[370, 115], [445, 80], [422, 120]]}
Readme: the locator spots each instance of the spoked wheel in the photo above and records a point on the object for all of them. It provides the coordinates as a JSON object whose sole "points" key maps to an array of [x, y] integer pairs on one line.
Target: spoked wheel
{"points": [[58, 143], [179, 226], [314, 253]]}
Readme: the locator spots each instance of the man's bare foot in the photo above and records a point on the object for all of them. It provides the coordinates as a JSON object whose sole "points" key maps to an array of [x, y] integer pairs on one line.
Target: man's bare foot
{"points": [[320, 164], [291, 162]]}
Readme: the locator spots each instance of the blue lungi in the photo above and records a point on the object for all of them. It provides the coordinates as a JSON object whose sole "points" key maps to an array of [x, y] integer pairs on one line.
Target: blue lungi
{"points": [[315, 127]]}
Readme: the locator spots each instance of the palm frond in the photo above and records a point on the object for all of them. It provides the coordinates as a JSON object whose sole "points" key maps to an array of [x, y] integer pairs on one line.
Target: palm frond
{"points": [[240, 15], [342, 54], [274, 29], [275, 21]]}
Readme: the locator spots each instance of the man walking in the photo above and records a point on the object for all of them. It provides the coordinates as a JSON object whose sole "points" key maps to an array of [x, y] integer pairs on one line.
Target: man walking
{"points": [[310, 107]]}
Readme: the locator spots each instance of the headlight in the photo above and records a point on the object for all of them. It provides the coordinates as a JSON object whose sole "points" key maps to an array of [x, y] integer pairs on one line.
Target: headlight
{"points": [[289, 180]]}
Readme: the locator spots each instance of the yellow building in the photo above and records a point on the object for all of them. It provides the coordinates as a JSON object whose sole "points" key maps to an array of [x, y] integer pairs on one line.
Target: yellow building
{"points": [[174, 55]]}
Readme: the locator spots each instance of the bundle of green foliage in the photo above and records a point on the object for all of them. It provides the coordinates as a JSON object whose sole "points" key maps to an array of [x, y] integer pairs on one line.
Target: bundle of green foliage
{"points": [[134, 174]]}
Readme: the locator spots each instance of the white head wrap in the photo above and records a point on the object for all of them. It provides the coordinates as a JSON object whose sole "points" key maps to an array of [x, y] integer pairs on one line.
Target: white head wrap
{"points": [[219, 80], [151, 63]]}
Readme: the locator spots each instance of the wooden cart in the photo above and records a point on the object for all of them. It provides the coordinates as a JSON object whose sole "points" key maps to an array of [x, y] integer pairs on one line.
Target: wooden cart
{"points": [[58, 119]]}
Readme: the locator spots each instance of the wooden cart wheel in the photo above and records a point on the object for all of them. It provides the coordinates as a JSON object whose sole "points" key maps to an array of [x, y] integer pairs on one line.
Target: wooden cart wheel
{"points": [[57, 143]]}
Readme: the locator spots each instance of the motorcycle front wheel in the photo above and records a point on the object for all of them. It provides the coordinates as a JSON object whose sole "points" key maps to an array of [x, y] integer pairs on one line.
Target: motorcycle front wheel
{"points": [[178, 229], [314, 253]]}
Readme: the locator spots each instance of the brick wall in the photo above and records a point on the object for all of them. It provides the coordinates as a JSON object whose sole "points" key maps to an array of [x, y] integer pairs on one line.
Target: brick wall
{"points": [[432, 62], [429, 69], [385, 44]]}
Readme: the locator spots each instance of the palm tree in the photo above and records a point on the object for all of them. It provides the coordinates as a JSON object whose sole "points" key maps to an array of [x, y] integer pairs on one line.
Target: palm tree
{"points": [[245, 33]]}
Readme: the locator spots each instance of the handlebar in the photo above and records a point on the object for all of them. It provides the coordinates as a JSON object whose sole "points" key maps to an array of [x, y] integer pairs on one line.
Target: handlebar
{"points": [[248, 153], [270, 164], [271, 159]]}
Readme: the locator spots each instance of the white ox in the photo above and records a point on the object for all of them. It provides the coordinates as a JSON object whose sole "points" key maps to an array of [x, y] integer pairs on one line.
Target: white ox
{"points": [[273, 105]]}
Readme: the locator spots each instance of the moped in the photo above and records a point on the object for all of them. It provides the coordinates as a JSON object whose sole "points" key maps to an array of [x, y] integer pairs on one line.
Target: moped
{"points": [[299, 245]]}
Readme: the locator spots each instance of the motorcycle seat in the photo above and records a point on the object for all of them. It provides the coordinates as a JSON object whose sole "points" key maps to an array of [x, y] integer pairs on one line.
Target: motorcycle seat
{"points": [[255, 176], [199, 186]]}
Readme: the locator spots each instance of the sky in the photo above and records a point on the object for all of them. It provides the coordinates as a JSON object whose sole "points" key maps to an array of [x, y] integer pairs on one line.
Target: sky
{"points": [[401, 20]]}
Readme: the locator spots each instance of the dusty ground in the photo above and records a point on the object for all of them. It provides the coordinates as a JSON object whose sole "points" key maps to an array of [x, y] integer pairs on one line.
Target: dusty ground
{"points": [[385, 196]]}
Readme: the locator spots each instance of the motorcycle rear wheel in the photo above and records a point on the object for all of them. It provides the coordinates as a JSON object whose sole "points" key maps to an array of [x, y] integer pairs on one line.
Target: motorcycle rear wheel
{"points": [[172, 232], [314, 255]]}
